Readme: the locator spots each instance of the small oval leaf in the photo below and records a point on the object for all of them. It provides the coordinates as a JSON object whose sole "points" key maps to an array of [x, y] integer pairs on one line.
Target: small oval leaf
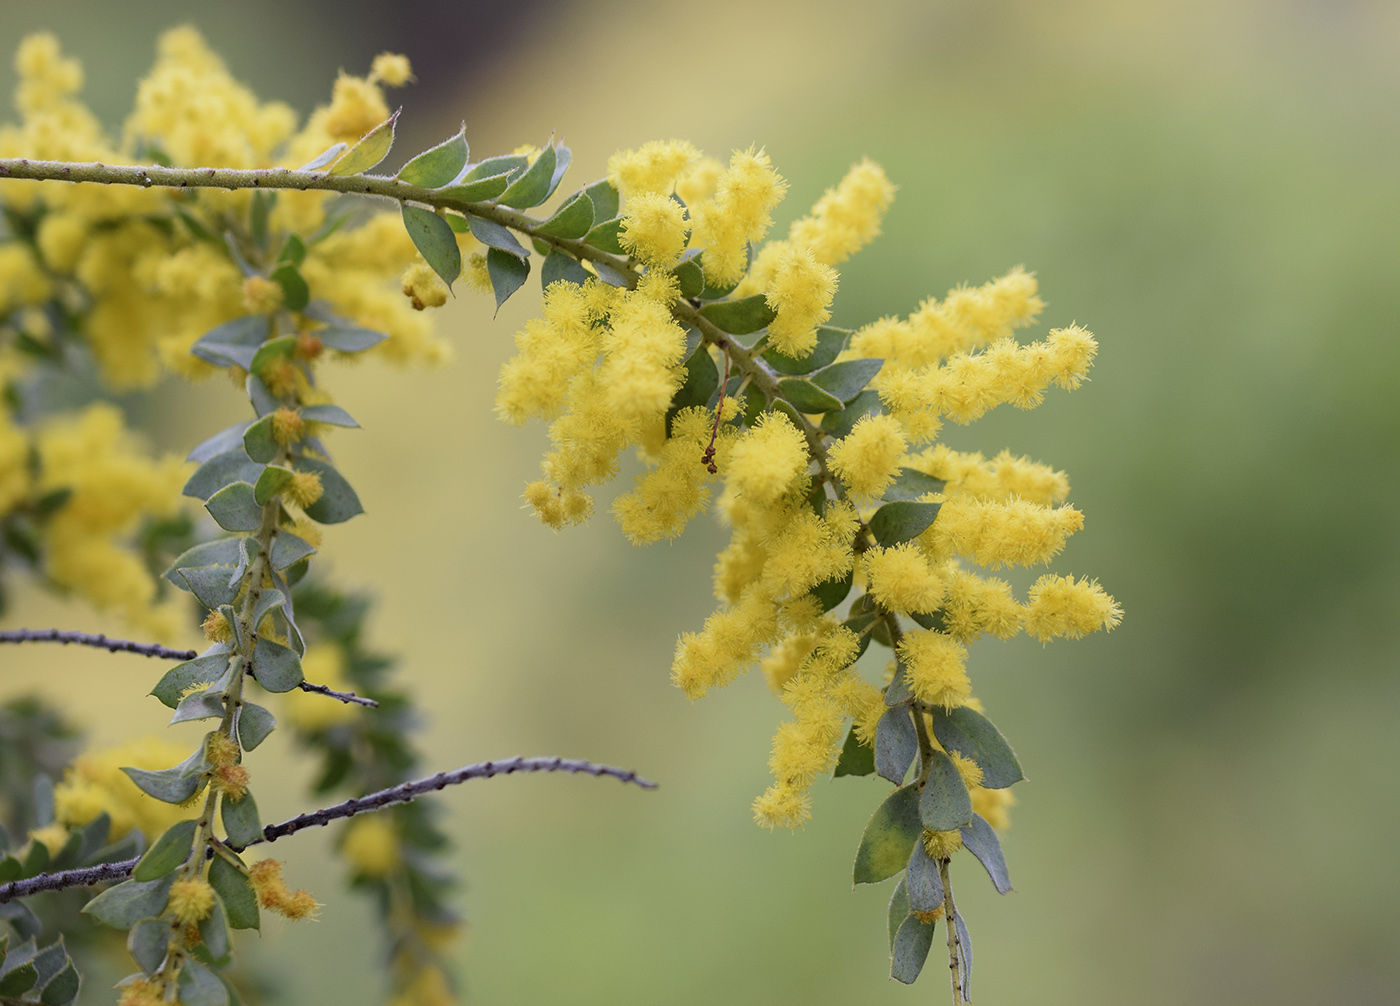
{"points": [[254, 724], [572, 220], [944, 804], [276, 667], [896, 744], [338, 502], [830, 342], [222, 470], [233, 343], [981, 840], [561, 267], [902, 520], [258, 442], [806, 397], [433, 237], [972, 735], [856, 758], [923, 883], [241, 820], [148, 942], [169, 852], [270, 482], [604, 236], [740, 317], [847, 379], [507, 273], [605, 200], [181, 678], [122, 906], [369, 150], [235, 508], [231, 884], [911, 947], [533, 187], [888, 838], [493, 235], [911, 484], [437, 166]]}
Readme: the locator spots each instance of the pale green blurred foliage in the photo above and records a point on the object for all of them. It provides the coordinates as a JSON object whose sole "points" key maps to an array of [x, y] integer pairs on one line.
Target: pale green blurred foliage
{"points": [[1211, 187]]}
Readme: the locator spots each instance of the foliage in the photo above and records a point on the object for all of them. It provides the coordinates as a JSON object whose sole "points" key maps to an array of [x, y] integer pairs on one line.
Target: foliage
{"points": [[668, 324]]}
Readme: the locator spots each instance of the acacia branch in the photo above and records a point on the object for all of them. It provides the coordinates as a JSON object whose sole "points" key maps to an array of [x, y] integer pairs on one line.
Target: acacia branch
{"points": [[98, 639], [402, 793], [349, 698]]}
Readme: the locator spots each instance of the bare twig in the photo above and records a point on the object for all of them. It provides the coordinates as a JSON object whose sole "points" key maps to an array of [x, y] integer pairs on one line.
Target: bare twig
{"points": [[402, 793], [98, 640], [348, 697]]}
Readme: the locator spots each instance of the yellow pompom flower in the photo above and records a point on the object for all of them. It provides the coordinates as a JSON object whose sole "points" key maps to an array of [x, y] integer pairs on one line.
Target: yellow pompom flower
{"points": [[902, 580], [800, 292], [191, 900], [261, 295], [654, 229], [869, 457], [934, 663], [767, 459], [391, 69], [304, 488], [652, 167], [287, 426], [423, 286], [1063, 606]]}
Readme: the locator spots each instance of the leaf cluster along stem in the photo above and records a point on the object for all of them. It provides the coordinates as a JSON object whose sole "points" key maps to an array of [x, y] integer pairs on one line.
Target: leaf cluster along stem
{"points": [[402, 793]]}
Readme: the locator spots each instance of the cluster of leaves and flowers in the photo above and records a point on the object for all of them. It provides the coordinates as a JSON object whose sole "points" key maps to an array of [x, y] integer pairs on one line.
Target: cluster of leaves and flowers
{"points": [[668, 324]]}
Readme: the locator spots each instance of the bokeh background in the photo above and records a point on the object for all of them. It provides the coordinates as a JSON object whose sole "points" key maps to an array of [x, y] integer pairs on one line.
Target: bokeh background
{"points": [[1211, 186]]}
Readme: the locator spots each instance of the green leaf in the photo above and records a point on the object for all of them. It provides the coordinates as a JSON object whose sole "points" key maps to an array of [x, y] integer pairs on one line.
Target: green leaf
{"points": [[899, 690], [231, 884], [325, 157], [433, 237], [270, 482], [36, 860], [890, 835], [944, 804], [609, 275], [331, 415], [436, 166], [231, 617], [493, 235], [213, 929], [572, 220], [805, 396], [63, 987], [846, 380], [981, 840], [458, 223], [203, 670], [561, 267], [219, 552], [478, 190], [169, 852], [839, 424], [740, 317], [276, 667], [562, 157], [199, 706], [148, 943], [923, 883], [508, 273], [902, 520], [10, 869], [20, 978], [235, 508], [241, 821], [94, 837], [830, 342], [533, 187], [911, 947], [293, 250], [509, 164], [254, 724], [895, 744], [964, 950], [338, 502], [690, 276], [972, 735], [267, 600], [220, 471], [233, 343], [225, 440], [122, 906], [605, 200], [911, 484], [260, 398], [832, 592], [295, 293], [368, 151], [287, 548], [258, 442], [856, 758], [604, 236], [171, 785], [210, 585], [21, 919], [898, 910], [348, 338]]}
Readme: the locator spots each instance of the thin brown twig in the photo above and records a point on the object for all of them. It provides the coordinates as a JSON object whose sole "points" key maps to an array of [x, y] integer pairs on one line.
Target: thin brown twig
{"points": [[95, 639], [89, 875]]}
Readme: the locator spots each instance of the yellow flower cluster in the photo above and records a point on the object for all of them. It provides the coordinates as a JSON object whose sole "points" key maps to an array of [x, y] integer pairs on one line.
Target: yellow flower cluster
{"points": [[265, 877], [95, 783], [154, 285], [602, 364]]}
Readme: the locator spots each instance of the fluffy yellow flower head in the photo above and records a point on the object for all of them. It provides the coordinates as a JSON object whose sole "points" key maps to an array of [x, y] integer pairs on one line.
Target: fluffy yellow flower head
{"points": [[654, 229], [869, 457], [652, 167], [800, 292], [934, 663]]}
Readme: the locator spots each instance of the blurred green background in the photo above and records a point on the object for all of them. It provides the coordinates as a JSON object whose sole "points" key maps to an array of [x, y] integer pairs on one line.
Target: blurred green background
{"points": [[1214, 189]]}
